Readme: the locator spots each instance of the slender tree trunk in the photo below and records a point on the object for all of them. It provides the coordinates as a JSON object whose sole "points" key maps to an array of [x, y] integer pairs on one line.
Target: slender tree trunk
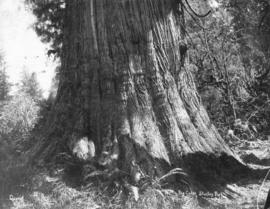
{"points": [[120, 65]]}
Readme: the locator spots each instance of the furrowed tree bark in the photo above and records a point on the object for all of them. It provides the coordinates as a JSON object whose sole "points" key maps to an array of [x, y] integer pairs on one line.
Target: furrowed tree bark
{"points": [[123, 77]]}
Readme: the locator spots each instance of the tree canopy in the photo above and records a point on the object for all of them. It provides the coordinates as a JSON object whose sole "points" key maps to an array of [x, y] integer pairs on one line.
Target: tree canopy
{"points": [[49, 24]]}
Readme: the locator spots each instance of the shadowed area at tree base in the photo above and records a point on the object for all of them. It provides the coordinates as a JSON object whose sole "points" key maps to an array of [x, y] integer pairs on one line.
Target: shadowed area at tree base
{"points": [[210, 172], [205, 172]]}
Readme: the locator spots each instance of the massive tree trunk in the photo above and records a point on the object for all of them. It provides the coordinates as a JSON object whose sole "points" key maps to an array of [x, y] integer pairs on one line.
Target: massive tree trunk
{"points": [[123, 77]]}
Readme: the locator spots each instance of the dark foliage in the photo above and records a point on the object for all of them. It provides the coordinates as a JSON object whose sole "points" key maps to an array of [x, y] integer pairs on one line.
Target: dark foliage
{"points": [[49, 24]]}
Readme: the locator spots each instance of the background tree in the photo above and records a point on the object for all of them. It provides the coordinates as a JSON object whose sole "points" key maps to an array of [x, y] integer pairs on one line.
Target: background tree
{"points": [[30, 86], [4, 84]]}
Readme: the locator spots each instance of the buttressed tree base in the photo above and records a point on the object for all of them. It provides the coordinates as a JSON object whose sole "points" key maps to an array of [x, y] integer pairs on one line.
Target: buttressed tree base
{"points": [[123, 80]]}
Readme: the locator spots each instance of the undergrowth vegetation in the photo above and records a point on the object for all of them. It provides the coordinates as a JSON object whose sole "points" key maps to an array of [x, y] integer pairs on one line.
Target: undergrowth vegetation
{"points": [[17, 120], [65, 197], [229, 57], [19, 114]]}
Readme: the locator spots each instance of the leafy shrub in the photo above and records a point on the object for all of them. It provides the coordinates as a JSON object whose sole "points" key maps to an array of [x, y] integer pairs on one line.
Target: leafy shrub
{"points": [[17, 119]]}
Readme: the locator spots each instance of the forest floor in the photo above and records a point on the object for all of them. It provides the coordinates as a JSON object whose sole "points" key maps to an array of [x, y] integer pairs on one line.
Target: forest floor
{"points": [[50, 192], [248, 193]]}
